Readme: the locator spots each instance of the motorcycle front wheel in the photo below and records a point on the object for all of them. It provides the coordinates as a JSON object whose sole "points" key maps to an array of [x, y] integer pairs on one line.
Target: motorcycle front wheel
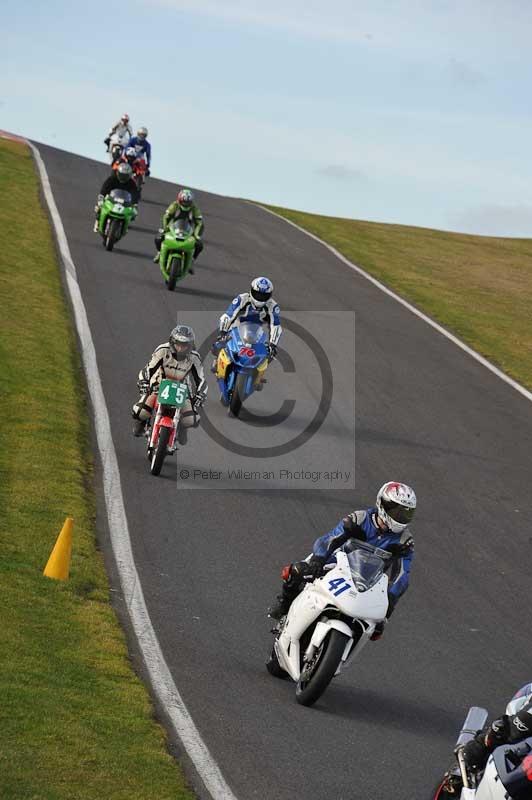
{"points": [[238, 393], [113, 234], [159, 452], [319, 671], [174, 272]]}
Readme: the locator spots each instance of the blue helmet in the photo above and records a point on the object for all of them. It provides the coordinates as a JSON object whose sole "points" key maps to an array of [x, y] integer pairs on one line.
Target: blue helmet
{"points": [[261, 291]]}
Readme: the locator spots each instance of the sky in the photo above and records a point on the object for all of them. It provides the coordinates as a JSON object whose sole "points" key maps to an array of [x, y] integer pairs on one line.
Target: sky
{"points": [[400, 111]]}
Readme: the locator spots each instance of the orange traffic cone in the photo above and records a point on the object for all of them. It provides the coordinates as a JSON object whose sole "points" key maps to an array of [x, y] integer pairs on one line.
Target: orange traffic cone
{"points": [[58, 565]]}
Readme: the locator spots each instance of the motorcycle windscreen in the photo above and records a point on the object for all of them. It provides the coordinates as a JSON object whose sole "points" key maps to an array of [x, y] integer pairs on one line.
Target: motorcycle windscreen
{"points": [[366, 569], [121, 196], [182, 228], [250, 333]]}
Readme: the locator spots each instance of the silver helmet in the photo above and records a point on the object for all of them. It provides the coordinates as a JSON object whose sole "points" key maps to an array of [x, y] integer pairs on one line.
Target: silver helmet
{"points": [[182, 341], [396, 505]]}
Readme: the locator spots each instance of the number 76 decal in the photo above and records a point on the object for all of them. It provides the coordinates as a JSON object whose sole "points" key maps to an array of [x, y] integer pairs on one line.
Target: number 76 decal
{"points": [[338, 585]]}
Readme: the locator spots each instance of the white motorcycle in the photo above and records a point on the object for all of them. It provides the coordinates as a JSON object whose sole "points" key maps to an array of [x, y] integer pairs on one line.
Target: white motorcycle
{"points": [[507, 776], [331, 620], [117, 143]]}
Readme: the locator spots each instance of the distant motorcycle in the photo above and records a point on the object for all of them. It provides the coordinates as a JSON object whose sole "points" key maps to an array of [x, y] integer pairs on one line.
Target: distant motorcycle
{"points": [[331, 620], [140, 169], [507, 776], [116, 146], [164, 423], [241, 364], [177, 250], [116, 215]]}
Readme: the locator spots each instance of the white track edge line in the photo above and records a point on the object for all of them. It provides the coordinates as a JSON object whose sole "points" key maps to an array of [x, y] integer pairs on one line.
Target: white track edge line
{"points": [[159, 673], [458, 342]]}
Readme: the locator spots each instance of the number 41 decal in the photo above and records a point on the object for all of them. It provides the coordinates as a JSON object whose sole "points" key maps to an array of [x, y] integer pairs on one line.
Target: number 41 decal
{"points": [[338, 585]]}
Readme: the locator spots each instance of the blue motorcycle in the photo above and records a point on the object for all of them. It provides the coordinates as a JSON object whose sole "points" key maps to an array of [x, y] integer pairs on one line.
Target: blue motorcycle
{"points": [[241, 364]]}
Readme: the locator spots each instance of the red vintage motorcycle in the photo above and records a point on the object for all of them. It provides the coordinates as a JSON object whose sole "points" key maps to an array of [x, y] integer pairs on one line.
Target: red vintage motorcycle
{"points": [[164, 423]]}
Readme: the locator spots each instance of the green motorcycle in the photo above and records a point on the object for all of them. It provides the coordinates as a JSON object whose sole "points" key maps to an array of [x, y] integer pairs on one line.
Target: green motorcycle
{"points": [[116, 215], [177, 249]]}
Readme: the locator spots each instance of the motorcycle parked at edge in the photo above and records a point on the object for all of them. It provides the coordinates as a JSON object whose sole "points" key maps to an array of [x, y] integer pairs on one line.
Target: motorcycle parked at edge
{"points": [[331, 620], [241, 364], [164, 423], [507, 776], [116, 215], [177, 250]]}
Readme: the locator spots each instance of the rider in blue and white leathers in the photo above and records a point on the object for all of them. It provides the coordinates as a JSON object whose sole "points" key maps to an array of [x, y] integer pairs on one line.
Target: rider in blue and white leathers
{"points": [[257, 306], [142, 146], [384, 525]]}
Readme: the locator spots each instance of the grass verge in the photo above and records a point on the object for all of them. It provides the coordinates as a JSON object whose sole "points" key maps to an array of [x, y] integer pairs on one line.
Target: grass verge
{"points": [[478, 287], [76, 721]]}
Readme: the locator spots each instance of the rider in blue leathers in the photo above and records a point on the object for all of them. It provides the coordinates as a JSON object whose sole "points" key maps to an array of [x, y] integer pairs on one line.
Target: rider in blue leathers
{"points": [[142, 146], [257, 306], [384, 525]]}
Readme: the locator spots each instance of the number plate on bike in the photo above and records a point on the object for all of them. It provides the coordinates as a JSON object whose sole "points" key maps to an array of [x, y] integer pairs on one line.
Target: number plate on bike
{"points": [[172, 393]]}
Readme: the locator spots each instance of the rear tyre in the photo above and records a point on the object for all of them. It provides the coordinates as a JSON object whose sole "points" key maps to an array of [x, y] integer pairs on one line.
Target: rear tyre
{"points": [[273, 666], [238, 393], [318, 673], [173, 273], [113, 234], [159, 452]]}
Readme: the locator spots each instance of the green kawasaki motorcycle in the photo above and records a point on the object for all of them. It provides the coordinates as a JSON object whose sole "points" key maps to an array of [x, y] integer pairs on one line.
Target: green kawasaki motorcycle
{"points": [[177, 249], [116, 215]]}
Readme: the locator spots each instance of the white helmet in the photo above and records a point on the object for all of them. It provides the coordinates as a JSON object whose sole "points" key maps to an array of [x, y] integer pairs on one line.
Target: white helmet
{"points": [[396, 505], [142, 133], [519, 700], [261, 291]]}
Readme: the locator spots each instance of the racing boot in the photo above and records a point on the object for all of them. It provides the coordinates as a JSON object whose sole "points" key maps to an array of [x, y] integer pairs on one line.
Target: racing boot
{"points": [[139, 427]]}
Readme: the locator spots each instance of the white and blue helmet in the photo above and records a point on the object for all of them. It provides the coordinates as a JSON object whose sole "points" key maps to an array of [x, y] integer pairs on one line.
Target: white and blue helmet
{"points": [[519, 700], [261, 291]]}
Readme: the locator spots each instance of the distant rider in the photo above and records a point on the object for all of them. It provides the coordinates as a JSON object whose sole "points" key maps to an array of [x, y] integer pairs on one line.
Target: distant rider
{"points": [[142, 146], [122, 129], [183, 207], [121, 178], [257, 305], [512, 727], [175, 359], [129, 156], [384, 525]]}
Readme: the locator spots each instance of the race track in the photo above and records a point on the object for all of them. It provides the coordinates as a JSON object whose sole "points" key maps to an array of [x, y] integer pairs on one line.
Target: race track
{"points": [[209, 559]]}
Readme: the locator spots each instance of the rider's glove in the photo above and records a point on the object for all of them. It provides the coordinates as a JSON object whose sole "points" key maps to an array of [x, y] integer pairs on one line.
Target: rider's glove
{"points": [[498, 733], [311, 568], [475, 752], [144, 386], [220, 339], [272, 351], [402, 549]]}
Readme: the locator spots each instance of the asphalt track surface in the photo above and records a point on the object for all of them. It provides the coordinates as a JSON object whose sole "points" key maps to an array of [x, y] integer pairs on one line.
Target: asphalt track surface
{"points": [[426, 413]]}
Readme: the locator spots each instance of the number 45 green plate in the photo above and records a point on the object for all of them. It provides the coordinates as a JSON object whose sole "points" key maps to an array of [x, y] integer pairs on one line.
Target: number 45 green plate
{"points": [[172, 393]]}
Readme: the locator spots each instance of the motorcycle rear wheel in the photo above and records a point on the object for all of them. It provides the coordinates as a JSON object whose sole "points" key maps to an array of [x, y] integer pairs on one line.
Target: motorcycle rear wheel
{"points": [[159, 452], [315, 678]]}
